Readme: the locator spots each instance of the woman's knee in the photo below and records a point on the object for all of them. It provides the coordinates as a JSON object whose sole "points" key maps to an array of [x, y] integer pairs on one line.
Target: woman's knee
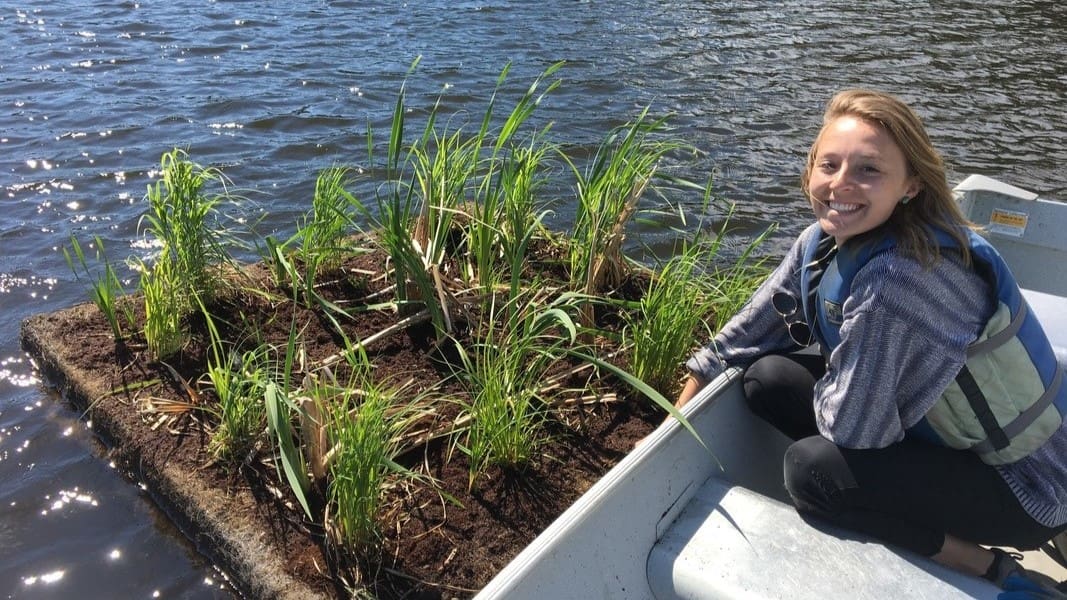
{"points": [[817, 476], [764, 374], [767, 382], [779, 390]]}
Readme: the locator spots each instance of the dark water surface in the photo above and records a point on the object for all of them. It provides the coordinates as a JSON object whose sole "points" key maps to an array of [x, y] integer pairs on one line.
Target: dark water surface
{"points": [[93, 93]]}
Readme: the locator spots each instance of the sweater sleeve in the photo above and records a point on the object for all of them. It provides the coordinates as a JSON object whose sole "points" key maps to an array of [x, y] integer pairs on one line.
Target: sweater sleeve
{"points": [[903, 340], [757, 329]]}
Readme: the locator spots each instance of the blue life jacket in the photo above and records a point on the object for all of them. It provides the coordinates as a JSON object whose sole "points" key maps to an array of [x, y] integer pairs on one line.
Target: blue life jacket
{"points": [[1008, 397]]}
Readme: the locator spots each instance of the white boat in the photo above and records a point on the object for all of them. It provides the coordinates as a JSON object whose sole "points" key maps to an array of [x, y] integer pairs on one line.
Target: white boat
{"points": [[677, 520]]}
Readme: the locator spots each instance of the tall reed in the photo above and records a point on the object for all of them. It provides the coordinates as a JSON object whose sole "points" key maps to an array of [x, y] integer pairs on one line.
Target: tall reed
{"points": [[106, 290], [239, 380], [508, 218], [439, 216], [182, 273], [609, 189], [417, 283], [732, 285], [323, 232], [665, 326], [179, 213], [365, 424], [282, 411], [521, 339], [393, 218], [688, 299], [165, 306], [504, 205]]}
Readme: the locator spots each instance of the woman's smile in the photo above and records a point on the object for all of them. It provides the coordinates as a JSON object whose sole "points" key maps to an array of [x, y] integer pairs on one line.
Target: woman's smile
{"points": [[843, 207]]}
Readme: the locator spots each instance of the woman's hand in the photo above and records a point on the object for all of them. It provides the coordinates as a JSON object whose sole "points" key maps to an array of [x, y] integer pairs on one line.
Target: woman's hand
{"points": [[692, 385]]}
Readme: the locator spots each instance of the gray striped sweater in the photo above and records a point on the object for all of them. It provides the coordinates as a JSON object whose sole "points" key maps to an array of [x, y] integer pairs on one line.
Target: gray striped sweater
{"points": [[903, 340]]}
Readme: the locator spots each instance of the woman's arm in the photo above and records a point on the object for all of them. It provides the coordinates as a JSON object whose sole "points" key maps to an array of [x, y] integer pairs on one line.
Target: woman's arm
{"points": [[757, 329]]}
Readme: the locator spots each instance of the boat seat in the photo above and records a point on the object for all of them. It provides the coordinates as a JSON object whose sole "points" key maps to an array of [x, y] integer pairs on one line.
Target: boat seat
{"points": [[1051, 312], [731, 542]]}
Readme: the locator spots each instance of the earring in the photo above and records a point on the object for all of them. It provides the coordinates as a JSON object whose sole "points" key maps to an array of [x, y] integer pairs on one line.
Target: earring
{"points": [[905, 199]]}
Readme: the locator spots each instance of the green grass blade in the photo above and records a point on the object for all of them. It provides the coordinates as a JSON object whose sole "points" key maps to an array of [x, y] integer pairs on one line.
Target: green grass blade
{"points": [[642, 387], [292, 462]]}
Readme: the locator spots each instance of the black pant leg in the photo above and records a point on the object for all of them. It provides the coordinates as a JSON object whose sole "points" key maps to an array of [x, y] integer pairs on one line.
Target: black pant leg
{"points": [[780, 390], [909, 494]]}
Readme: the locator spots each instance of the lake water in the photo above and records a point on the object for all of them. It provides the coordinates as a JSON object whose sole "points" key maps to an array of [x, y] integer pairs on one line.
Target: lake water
{"points": [[93, 93]]}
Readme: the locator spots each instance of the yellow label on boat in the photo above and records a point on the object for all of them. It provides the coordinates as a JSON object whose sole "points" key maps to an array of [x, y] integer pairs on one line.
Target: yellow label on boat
{"points": [[1008, 222]]}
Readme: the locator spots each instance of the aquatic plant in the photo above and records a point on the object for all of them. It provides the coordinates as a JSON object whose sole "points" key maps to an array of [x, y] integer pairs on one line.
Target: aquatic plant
{"points": [[178, 218], [687, 299], [439, 215], [663, 329], [731, 286], [106, 290], [325, 228], [393, 220], [364, 425], [239, 380], [282, 410], [501, 216], [165, 305], [520, 339], [508, 219], [341, 437], [185, 269], [608, 191]]}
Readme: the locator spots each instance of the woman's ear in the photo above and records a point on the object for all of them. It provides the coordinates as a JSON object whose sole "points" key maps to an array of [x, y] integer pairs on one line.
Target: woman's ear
{"points": [[914, 187]]}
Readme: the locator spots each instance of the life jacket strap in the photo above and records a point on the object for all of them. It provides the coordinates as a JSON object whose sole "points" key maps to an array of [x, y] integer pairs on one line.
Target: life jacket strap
{"points": [[1001, 337], [1027, 417], [995, 436], [825, 252]]}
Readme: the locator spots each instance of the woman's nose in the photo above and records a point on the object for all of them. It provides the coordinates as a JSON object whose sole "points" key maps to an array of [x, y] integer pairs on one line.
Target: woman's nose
{"points": [[839, 179]]}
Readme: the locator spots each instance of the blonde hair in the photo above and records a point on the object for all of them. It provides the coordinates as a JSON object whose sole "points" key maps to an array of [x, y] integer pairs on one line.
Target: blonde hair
{"points": [[934, 205]]}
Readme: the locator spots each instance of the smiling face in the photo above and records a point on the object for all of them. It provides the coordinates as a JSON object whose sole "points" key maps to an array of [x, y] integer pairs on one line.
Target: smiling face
{"points": [[858, 177]]}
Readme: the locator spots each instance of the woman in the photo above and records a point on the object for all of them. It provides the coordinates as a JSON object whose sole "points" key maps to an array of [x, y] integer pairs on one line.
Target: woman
{"points": [[896, 427]]}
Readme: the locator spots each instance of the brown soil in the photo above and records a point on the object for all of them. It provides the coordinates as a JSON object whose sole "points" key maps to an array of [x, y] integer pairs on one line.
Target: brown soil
{"points": [[247, 521]]}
